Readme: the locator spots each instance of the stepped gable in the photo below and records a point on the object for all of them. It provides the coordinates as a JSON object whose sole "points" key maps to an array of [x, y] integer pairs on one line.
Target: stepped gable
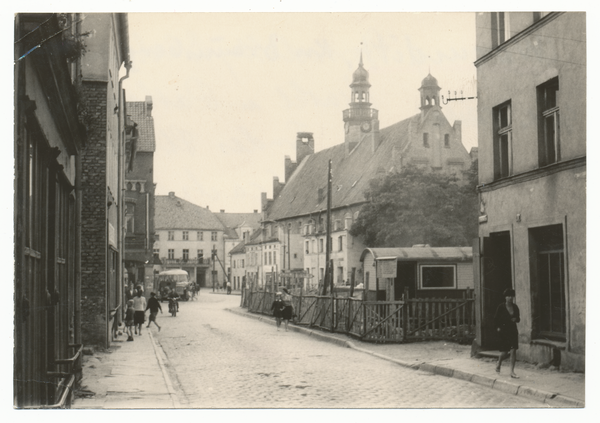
{"points": [[351, 173], [141, 113], [176, 213]]}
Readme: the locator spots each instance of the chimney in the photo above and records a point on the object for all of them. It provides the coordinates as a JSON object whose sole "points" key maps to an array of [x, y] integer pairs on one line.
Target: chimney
{"points": [[277, 187], [207, 208], [290, 168], [148, 105], [222, 211], [305, 145], [172, 194], [255, 211]]}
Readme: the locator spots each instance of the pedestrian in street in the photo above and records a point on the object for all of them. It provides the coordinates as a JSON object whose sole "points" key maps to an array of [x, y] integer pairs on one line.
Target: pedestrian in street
{"points": [[153, 306], [506, 318], [129, 319], [288, 309], [228, 287], [139, 306], [277, 308]]}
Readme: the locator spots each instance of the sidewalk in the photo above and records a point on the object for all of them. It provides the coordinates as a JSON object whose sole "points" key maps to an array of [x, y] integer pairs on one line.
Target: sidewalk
{"points": [[551, 387], [129, 375]]}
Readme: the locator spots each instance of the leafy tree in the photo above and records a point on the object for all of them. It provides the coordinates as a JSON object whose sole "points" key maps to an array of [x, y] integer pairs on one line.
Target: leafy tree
{"points": [[418, 207]]}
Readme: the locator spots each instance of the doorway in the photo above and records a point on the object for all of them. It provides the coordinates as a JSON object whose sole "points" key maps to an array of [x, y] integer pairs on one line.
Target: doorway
{"points": [[497, 276]]}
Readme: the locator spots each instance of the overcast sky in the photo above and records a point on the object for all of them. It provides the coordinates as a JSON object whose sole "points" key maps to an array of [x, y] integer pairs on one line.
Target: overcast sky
{"points": [[231, 90]]}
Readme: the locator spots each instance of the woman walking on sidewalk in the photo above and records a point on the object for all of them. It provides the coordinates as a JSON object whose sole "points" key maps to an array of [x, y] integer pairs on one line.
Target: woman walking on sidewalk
{"points": [[507, 316], [139, 306], [277, 308]]}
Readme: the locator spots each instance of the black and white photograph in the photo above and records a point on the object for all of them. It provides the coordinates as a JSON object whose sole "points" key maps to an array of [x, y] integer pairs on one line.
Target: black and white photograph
{"points": [[278, 206]]}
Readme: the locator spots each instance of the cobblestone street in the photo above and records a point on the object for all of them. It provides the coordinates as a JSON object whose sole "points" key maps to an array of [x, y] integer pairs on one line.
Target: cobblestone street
{"points": [[217, 359]]}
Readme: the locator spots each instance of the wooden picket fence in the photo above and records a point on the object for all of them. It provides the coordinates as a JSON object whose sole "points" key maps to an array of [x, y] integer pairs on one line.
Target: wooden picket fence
{"points": [[414, 319]]}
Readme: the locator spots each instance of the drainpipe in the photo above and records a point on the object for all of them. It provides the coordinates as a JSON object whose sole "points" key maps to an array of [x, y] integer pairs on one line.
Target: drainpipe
{"points": [[121, 179]]}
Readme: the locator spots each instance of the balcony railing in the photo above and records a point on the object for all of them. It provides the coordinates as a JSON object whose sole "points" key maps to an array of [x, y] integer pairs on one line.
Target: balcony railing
{"points": [[359, 114], [188, 262]]}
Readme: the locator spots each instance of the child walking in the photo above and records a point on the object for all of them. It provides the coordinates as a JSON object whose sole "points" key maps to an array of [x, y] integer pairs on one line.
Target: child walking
{"points": [[153, 306], [129, 319]]}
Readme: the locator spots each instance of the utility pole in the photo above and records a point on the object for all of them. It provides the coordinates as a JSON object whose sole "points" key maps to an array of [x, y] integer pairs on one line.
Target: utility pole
{"points": [[328, 233], [213, 257]]}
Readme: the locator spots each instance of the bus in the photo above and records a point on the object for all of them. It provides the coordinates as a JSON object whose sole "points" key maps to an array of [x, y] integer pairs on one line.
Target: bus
{"points": [[176, 279]]}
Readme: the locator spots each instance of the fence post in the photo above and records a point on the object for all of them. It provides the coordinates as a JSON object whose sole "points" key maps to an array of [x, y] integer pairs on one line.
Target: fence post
{"points": [[405, 314]]}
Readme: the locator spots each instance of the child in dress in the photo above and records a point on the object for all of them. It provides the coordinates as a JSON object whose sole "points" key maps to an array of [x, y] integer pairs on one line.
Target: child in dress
{"points": [[129, 319]]}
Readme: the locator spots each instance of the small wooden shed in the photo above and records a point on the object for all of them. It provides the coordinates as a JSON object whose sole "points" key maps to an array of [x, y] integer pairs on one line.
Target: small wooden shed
{"points": [[426, 272]]}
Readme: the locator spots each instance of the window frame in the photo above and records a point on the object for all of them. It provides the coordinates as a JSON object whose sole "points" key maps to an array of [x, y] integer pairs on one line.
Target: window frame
{"points": [[185, 235], [426, 266], [171, 254], [214, 236], [502, 141], [547, 147], [185, 255], [171, 236]]}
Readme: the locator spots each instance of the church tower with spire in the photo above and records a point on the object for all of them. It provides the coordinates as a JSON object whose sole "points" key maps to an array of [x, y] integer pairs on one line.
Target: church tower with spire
{"points": [[361, 123]]}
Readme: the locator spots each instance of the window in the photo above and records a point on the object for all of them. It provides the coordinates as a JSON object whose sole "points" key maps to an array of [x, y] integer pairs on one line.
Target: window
{"points": [[200, 254], [500, 28], [437, 277], [425, 140], [185, 236], [171, 235], [447, 140], [200, 235], [186, 254], [171, 254], [314, 249], [274, 258], [347, 222], [156, 252], [157, 237], [321, 245], [130, 217], [234, 263], [213, 236], [306, 247], [502, 140], [242, 263], [548, 123], [548, 282], [340, 243], [269, 257]]}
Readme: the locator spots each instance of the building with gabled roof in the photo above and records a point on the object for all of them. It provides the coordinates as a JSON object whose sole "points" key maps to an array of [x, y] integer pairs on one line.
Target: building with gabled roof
{"points": [[189, 237], [296, 215], [139, 194], [238, 227]]}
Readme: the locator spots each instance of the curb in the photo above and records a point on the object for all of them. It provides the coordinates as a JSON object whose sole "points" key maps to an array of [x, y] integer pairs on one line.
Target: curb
{"points": [[552, 399], [167, 379]]}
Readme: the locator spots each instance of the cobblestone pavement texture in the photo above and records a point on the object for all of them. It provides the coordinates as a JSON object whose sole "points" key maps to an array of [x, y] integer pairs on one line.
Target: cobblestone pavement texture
{"points": [[212, 358], [221, 360]]}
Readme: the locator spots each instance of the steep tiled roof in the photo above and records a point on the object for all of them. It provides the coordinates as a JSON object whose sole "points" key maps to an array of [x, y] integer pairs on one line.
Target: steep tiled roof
{"points": [[234, 220], [238, 248], [230, 233], [351, 173], [141, 113], [176, 213]]}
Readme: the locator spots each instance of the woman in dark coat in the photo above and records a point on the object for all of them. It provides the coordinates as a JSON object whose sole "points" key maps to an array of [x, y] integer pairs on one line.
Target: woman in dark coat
{"points": [[288, 309], [506, 318], [277, 308]]}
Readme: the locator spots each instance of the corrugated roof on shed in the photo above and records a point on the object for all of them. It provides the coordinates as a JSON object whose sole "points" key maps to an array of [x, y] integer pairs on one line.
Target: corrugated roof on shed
{"points": [[421, 253]]}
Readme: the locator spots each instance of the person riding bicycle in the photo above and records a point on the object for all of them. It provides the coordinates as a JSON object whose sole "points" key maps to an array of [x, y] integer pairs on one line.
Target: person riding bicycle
{"points": [[173, 295]]}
